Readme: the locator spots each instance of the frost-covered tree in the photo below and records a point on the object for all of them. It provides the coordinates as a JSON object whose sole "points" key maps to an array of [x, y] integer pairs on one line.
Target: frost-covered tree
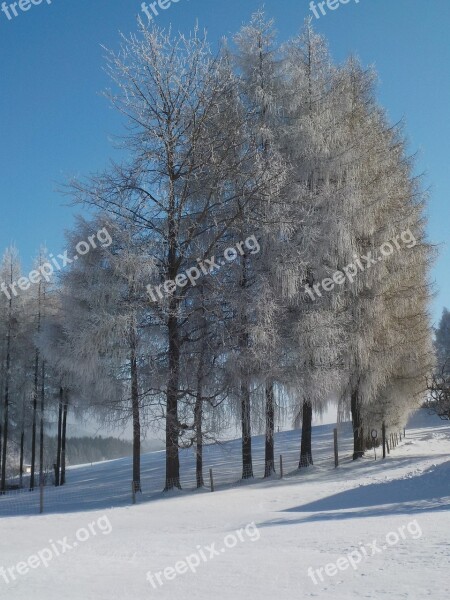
{"points": [[259, 70], [379, 205], [54, 345], [193, 162], [39, 305], [442, 341], [10, 306], [105, 319], [310, 106], [438, 400]]}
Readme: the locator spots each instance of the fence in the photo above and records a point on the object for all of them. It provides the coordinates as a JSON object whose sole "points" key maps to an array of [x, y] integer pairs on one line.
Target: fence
{"points": [[105, 485]]}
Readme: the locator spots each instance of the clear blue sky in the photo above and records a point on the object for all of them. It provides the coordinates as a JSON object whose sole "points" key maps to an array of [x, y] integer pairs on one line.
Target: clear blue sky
{"points": [[54, 122]]}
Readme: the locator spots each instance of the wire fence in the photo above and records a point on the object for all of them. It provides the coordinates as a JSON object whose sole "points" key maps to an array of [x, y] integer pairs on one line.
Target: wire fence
{"points": [[108, 484]]}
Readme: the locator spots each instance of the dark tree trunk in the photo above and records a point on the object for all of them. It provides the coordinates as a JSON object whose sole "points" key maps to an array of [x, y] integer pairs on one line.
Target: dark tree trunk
{"points": [[198, 418], [5, 424], [5, 439], [35, 399], [306, 445], [358, 430], [172, 425], [41, 429], [247, 462], [58, 449], [33, 427], [6, 401], [198, 424], [198, 409], [136, 415], [173, 332], [269, 468], [63, 441], [22, 444]]}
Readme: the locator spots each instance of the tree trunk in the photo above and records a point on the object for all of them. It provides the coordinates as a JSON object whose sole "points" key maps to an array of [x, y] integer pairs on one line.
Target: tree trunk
{"points": [[35, 398], [198, 409], [22, 444], [198, 418], [136, 415], [198, 422], [247, 463], [41, 431], [5, 438], [6, 412], [306, 445], [33, 427], [172, 425], [6, 401], [58, 449], [63, 441], [358, 430], [270, 430]]}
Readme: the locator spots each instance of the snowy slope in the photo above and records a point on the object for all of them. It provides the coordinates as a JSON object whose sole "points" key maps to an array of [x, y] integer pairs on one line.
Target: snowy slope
{"points": [[316, 520], [108, 484]]}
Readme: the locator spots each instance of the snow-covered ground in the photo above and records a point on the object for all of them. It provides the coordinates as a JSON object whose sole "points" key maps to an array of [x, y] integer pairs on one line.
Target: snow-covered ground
{"points": [[108, 484], [371, 529]]}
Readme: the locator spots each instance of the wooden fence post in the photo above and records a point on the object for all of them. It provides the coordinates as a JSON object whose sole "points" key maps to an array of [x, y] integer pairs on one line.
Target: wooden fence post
{"points": [[281, 466], [383, 434], [336, 452], [211, 479]]}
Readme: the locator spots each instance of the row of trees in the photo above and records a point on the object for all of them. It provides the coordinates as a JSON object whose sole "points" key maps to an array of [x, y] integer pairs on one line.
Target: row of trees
{"points": [[29, 383], [254, 141]]}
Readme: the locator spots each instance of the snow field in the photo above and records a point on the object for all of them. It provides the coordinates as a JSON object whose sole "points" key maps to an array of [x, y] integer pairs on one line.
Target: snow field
{"points": [[301, 523]]}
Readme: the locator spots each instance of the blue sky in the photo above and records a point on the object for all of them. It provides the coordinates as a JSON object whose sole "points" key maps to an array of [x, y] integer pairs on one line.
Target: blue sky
{"points": [[54, 122]]}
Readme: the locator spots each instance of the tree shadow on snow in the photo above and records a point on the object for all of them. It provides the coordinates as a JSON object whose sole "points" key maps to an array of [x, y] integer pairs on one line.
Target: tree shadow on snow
{"points": [[429, 491]]}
